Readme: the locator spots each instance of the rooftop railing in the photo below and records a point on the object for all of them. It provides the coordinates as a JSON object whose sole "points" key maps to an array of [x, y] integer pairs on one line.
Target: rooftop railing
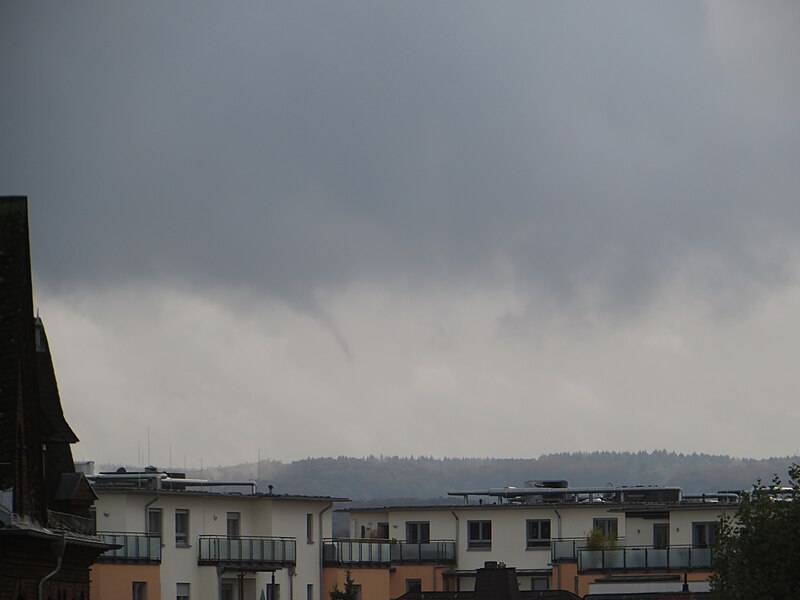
{"points": [[134, 547], [265, 551], [384, 552], [645, 559]]}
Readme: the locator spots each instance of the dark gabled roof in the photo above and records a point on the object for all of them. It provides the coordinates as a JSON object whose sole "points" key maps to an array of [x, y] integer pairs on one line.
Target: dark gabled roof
{"points": [[74, 486], [54, 426]]}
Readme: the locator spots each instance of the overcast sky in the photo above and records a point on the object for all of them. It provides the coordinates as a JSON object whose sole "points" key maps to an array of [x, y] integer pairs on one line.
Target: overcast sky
{"points": [[307, 228]]}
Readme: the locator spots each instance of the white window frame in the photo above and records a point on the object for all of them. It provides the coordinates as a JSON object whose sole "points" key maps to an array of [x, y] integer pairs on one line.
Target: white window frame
{"points": [[183, 591], [418, 532], [534, 533], [182, 537], [233, 525], [483, 539], [609, 526]]}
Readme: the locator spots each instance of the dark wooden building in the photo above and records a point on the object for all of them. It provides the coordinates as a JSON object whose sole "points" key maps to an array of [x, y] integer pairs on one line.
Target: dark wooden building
{"points": [[47, 538]]}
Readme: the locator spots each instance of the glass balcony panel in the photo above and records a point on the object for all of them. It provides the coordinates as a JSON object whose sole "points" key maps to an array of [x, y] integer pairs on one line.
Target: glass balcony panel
{"points": [[247, 549], [614, 559], [374, 553], [657, 558], [134, 547], [679, 558], [564, 549], [636, 558], [154, 549], [700, 558], [329, 552], [590, 559]]}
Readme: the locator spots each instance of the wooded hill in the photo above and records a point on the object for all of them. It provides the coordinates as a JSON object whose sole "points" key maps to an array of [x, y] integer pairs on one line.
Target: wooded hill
{"points": [[391, 477]]}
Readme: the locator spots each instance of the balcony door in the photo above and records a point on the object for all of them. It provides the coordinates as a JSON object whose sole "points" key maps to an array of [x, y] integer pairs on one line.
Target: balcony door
{"points": [[661, 535]]}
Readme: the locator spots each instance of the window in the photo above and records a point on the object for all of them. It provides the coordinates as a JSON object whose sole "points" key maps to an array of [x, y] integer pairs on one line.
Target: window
{"points": [[234, 529], [418, 532], [155, 522], [538, 533], [540, 583], [661, 535], [310, 591], [704, 535], [273, 591], [479, 534], [356, 591], [608, 527], [383, 530], [413, 585], [182, 528], [182, 591], [139, 590], [227, 591], [310, 528]]}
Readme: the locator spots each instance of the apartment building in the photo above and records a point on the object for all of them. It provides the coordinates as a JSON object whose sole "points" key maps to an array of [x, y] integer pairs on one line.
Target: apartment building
{"points": [[192, 539], [583, 540]]}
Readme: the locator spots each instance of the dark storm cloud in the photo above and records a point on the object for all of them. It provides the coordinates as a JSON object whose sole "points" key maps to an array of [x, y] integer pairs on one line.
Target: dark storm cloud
{"points": [[290, 145]]}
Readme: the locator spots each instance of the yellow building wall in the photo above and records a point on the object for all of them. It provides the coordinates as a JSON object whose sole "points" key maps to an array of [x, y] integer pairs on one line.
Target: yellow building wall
{"points": [[563, 576], [114, 581], [374, 582], [383, 583], [429, 576]]}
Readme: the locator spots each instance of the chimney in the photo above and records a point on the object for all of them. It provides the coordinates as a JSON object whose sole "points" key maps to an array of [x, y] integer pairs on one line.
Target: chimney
{"points": [[495, 581]]}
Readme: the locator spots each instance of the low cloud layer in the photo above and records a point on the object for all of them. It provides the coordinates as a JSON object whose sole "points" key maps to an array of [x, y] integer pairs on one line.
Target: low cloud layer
{"points": [[475, 209]]}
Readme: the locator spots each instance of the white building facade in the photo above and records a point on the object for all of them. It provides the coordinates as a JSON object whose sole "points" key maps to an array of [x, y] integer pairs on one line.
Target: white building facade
{"points": [[214, 545], [581, 540]]}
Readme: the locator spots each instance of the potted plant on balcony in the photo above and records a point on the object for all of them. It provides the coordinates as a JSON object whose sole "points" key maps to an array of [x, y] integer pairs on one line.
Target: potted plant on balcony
{"points": [[596, 542]]}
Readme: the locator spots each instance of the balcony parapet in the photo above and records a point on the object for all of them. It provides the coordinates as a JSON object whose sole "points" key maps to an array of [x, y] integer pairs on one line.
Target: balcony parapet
{"points": [[567, 548], [645, 558], [133, 548], [67, 522], [371, 552], [251, 553]]}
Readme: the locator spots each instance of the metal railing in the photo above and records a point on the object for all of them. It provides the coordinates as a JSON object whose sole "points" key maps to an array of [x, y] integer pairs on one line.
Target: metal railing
{"points": [[567, 548], [134, 547], [261, 550], [644, 559], [380, 552]]}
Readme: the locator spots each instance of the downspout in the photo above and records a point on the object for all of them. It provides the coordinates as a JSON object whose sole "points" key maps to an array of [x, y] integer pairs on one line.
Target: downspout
{"points": [[147, 518], [558, 533], [458, 529], [62, 544], [322, 551]]}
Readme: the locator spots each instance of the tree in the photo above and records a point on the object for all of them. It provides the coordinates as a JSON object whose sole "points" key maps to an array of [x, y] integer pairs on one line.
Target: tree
{"points": [[349, 592], [757, 552], [597, 539]]}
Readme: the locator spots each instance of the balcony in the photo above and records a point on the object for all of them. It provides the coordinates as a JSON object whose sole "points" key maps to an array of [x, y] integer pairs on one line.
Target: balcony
{"points": [[383, 553], [248, 553], [567, 548], [67, 522], [134, 548], [673, 558]]}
